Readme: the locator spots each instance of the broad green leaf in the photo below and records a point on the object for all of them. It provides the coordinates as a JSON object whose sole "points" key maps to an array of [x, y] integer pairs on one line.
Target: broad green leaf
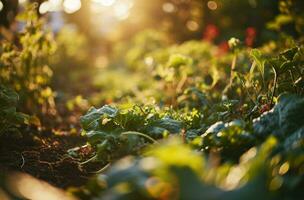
{"points": [[96, 136], [159, 126], [90, 121], [284, 119]]}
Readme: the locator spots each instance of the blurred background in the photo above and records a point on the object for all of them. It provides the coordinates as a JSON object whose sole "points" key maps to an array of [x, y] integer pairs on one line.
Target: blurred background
{"points": [[114, 20], [101, 43]]}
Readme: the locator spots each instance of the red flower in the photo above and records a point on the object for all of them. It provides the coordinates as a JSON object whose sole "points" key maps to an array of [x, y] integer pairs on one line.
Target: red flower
{"points": [[250, 31], [211, 32], [223, 48], [250, 36]]}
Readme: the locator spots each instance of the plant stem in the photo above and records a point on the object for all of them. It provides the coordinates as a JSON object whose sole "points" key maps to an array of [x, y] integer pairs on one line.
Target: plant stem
{"points": [[139, 134], [89, 160], [293, 81], [274, 85], [102, 169], [181, 83], [233, 63], [232, 69]]}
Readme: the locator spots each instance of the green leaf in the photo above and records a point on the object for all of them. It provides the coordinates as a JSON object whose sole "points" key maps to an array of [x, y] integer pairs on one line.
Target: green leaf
{"points": [[259, 60], [294, 140], [96, 136], [177, 60], [90, 121], [8, 97], [290, 53], [284, 119], [159, 126]]}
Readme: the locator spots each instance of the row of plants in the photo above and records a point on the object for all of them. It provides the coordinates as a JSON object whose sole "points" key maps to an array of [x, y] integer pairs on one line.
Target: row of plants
{"points": [[187, 121], [222, 125]]}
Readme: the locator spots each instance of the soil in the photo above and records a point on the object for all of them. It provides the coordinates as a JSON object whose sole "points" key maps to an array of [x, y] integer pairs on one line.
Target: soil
{"points": [[44, 156]]}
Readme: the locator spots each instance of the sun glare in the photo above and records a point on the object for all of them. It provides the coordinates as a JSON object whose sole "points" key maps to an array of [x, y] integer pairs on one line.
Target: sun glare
{"points": [[68, 6], [44, 7], [117, 9], [105, 2], [1, 5], [22, 1], [71, 6], [122, 10]]}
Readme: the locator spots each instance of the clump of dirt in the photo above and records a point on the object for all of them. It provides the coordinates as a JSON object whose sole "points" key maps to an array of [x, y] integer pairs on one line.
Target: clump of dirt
{"points": [[45, 157]]}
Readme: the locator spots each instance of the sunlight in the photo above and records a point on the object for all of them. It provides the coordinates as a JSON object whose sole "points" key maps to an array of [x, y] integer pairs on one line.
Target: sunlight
{"points": [[68, 6], [151, 99], [22, 1], [71, 6], [108, 9], [55, 5], [121, 10], [1, 5], [105, 2], [44, 7], [109, 13], [106, 12], [49, 6]]}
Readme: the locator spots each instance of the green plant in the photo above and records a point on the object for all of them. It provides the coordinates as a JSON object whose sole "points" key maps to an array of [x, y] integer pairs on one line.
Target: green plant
{"points": [[266, 158], [24, 68], [10, 119], [116, 132]]}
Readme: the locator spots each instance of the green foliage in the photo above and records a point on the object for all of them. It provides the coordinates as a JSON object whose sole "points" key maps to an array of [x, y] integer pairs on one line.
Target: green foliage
{"points": [[71, 63], [216, 144], [116, 132], [10, 119], [163, 73], [24, 67], [283, 120], [179, 121], [171, 170], [291, 19], [259, 60]]}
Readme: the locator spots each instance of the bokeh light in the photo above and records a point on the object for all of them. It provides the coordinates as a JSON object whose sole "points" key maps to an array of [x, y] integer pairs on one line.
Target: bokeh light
{"points": [[44, 7], [212, 5], [168, 7], [192, 25], [121, 10], [71, 6], [22, 1], [105, 2], [55, 5], [1, 6], [68, 6]]}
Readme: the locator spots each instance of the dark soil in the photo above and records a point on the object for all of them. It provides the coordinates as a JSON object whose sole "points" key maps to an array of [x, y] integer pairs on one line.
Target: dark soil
{"points": [[44, 156]]}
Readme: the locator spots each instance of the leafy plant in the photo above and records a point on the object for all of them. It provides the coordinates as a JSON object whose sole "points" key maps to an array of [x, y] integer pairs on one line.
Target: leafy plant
{"points": [[116, 132], [10, 119], [230, 144], [24, 67]]}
